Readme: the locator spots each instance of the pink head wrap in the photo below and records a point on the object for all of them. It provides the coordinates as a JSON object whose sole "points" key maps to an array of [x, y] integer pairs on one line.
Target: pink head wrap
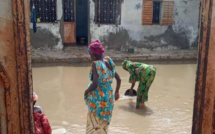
{"points": [[96, 48]]}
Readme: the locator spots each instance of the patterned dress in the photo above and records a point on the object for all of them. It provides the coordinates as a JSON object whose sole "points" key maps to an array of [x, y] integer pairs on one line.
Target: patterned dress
{"points": [[100, 102], [143, 73]]}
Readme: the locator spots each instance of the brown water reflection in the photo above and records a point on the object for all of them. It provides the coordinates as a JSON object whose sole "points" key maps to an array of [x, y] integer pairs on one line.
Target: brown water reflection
{"points": [[169, 110]]}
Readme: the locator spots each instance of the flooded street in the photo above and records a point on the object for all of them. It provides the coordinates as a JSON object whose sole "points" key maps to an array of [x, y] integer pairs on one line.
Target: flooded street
{"points": [[168, 111]]}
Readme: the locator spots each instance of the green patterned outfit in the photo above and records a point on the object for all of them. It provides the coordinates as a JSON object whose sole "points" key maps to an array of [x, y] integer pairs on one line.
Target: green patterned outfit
{"points": [[143, 73]]}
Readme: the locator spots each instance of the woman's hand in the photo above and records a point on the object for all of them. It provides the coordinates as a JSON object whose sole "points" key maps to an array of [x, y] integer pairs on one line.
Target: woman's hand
{"points": [[131, 89], [131, 92], [116, 95]]}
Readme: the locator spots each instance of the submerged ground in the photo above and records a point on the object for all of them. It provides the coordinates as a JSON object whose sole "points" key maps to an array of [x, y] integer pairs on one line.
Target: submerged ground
{"points": [[168, 111]]}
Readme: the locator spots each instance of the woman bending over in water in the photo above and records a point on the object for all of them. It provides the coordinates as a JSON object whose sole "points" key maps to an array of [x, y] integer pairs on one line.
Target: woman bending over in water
{"points": [[143, 73], [99, 96]]}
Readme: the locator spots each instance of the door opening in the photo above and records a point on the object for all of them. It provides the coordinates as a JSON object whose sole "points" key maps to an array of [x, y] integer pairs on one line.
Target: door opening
{"points": [[82, 22]]}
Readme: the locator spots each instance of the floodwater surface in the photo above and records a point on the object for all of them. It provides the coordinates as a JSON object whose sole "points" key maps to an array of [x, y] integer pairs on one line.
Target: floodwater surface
{"points": [[168, 111]]}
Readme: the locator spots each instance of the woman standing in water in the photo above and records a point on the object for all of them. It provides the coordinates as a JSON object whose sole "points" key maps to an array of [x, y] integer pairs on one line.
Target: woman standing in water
{"points": [[99, 96], [143, 73]]}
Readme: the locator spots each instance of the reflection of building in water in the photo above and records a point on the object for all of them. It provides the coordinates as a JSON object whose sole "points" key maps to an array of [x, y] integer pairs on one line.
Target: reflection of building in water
{"points": [[141, 25]]}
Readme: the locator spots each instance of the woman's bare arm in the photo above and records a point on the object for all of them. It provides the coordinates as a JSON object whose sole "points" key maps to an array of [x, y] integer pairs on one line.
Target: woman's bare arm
{"points": [[118, 84], [132, 86]]}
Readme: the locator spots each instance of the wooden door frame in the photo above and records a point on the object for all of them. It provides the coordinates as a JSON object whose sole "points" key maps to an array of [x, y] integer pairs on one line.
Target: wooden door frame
{"points": [[15, 70], [204, 103]]}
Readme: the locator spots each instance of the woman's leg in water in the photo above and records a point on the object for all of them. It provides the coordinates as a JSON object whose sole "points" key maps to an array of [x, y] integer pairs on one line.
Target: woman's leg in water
{"points": [[144, 85], [140, 91]]}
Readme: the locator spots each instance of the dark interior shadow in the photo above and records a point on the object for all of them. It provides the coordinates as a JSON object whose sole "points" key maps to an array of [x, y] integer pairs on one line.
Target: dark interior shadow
{"points": [[131, 107]]}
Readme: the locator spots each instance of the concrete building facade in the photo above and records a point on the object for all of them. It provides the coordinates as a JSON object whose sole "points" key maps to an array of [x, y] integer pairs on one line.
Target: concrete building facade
{"points": [[121, 25]]}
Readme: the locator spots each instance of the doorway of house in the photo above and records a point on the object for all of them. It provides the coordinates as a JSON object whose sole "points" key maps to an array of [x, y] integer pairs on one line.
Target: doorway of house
{"points": [[82, 22], [75, 22]]}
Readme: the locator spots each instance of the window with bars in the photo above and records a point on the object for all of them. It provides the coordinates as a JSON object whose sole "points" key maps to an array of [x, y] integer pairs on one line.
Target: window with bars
{"points": [[108, 11], [157, 12], [45, 10], [69, 10]]}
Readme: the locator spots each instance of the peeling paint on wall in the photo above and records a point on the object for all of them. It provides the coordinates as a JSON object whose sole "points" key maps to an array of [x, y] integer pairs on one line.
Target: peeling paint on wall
{"points": [[59, 9], [131, 33], [49, 35], [186, 19]]}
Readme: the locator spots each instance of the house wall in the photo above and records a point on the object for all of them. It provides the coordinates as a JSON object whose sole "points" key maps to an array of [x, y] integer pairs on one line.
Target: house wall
{"points": [[131, 33], [49, 35]]}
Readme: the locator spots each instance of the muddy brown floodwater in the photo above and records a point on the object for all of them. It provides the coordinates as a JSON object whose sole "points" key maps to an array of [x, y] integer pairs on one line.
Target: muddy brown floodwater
{"points": [[168, 111]]}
